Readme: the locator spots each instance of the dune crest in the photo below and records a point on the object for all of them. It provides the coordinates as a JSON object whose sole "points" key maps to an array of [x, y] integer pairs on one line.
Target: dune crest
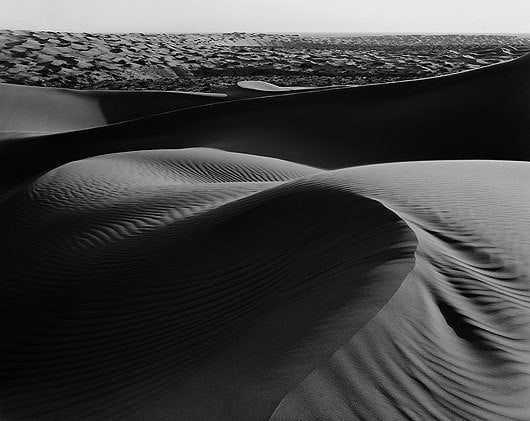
{"points": [[172, 262], [175, 285], [29, 110], [436, 118], [454, 341], [257, 85]]}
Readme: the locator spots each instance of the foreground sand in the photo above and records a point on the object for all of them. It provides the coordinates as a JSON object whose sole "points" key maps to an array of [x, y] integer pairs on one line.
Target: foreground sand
{"points": [[197, 283]]}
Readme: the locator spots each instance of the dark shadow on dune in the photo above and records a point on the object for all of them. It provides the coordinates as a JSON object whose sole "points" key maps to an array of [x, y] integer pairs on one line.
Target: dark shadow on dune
{"points": [[462, 327], [119, 106], [202, 316], [480, 114], [176, 285]]}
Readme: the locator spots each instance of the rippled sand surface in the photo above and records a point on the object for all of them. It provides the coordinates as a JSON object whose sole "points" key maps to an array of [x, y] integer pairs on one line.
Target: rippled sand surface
{"points": [[198, 278], [454, 341]]}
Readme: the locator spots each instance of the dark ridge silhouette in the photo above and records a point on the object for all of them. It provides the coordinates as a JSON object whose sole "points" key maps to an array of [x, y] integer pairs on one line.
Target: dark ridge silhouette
{"points": [[480, 114]]}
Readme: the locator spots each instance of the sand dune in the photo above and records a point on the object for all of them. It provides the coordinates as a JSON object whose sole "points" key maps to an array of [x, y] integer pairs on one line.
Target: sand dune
{"points": [[161, 266], [179, 214], [196, 62], [27, 110], [256, 85], [476, 114], [454, 342], [175, 284]]}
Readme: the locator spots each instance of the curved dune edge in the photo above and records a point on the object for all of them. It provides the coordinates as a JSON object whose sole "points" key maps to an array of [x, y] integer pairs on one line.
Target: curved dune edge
{"points": [[176, 285], [437, 118], [30, 109], [454, 342], [139, 105], [258, 85], [175, 280]]}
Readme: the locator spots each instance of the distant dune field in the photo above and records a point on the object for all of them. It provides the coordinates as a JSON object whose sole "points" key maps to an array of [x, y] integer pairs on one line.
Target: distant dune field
{"points": [[201, 62], [267, 253]]}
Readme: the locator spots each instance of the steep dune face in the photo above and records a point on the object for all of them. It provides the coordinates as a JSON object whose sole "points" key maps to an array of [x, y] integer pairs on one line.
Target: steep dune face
{"points": [[459, 116], [201, 284], [133, 280], [477, 114], [454, 342], [118, 106]]}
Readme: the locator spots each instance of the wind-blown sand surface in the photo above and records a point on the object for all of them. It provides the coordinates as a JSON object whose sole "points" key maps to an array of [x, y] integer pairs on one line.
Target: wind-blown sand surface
{"points": [[202, 279]]}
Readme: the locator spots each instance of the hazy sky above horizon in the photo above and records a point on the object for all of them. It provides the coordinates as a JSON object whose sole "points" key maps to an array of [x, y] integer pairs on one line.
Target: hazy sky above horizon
{"points": [[434, 16]]}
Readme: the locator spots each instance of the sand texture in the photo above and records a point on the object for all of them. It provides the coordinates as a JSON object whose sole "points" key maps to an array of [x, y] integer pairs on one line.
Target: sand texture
{"points": [[194, 62], [268, 253]]}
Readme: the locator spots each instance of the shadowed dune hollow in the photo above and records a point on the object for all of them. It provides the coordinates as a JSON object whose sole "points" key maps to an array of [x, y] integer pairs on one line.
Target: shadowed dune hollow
{"points": [[266, 252]]}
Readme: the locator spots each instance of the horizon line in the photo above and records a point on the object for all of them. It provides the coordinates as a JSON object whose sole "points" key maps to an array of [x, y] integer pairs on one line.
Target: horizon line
{"points": [[274, 32]]}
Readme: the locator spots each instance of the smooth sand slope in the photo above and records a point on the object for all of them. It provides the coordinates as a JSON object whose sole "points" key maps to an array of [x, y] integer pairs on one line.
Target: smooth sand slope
{"points": [[198, 283], [29, 110], [476, 114]]}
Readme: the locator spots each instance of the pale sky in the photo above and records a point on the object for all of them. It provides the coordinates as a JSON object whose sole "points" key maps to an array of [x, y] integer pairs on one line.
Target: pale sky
{"points": [[409, 16]]}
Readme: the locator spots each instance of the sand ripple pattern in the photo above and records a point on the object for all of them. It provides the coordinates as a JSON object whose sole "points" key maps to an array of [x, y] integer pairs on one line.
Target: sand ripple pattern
{"points": [[131, 277], [175, 284], [454, 342], [201, 284]]}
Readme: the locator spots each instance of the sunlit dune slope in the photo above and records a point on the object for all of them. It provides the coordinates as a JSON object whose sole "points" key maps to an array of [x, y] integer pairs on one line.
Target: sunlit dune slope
{"points": [[28, 110], [454, 342]]}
